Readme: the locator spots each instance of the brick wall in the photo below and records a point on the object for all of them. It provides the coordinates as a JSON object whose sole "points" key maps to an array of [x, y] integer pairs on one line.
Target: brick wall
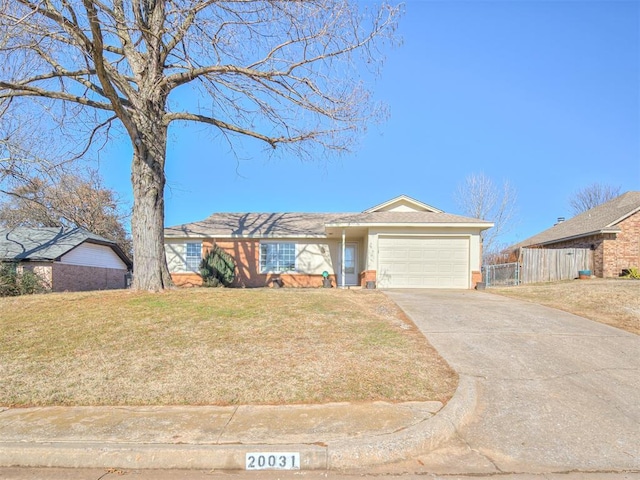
{"points": [[612, 253], [367, 276], [76, 278], [624, 252], [476, 276], [246, 253]]}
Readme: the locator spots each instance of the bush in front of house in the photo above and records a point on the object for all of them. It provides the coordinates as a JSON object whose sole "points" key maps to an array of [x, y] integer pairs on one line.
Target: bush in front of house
{"points": [[217, 268], [632, 272], [14, 283]]}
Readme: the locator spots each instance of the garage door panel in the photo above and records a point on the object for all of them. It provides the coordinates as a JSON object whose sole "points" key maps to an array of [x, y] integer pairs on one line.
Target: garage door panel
{"points": [[423, 262]]}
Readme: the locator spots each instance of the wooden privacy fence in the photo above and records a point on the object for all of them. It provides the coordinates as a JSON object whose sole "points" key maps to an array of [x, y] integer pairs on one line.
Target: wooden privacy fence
{"points": [[552, 264]]}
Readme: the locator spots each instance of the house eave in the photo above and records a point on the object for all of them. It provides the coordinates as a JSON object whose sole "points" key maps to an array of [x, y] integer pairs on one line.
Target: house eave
{"points": [[206, 236], [481, 226], [574, 237]]}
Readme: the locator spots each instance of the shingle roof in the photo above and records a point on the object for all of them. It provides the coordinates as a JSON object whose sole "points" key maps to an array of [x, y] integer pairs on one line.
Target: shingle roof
{"points": [[47, 244], [599, 219], [407, 218], [277, 225]]}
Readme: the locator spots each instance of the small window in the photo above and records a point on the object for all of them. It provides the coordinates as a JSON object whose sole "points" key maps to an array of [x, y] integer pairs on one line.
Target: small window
{"points": [[277, 257], [193, 256]]}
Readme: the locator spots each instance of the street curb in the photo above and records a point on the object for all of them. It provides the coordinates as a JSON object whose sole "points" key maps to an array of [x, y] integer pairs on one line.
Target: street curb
{"points": [[149, 456], [340, 454], [409, 442]]}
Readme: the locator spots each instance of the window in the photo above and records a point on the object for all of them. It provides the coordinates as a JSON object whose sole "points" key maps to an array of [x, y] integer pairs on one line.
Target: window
{"points": [[193, 256], [277, 257]]}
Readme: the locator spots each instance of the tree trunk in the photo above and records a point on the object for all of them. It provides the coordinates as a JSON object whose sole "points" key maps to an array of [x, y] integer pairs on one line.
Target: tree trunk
{"points": [[147, 224]]}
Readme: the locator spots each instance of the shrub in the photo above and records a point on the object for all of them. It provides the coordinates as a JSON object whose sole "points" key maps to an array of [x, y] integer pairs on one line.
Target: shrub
{"points": [[13, 283], [217, 268]]}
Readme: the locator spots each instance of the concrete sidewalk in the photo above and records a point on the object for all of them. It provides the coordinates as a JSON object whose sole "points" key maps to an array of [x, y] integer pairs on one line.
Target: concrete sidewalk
{"points": [[332, 436]]}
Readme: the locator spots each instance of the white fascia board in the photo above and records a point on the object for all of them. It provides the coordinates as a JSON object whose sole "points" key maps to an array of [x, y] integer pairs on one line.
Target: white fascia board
{"points": [[406, 198], [481, 226]]}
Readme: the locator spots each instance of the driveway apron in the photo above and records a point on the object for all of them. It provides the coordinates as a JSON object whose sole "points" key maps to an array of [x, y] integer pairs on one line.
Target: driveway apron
{"points": [[556, 392]]}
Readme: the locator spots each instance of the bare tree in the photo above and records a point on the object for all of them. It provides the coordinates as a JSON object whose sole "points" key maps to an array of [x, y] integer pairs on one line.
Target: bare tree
{"points": [[479, 197], [285, 73], [591, 196]]}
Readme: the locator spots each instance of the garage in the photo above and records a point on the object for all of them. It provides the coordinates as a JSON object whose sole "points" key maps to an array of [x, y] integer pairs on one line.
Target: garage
{"points": [[423, 262]]}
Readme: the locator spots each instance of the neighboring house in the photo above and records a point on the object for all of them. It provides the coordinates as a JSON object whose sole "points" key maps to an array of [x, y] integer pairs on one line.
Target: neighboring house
{"points": [[66, 260], [610, 230], [402, 243]]}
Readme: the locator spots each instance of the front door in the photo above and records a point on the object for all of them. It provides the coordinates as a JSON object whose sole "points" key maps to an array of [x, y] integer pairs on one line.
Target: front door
{"points": [[350, 265]]}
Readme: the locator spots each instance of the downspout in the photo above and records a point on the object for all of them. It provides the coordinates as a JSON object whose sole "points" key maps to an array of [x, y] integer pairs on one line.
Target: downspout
{"points": [[344, 252]]}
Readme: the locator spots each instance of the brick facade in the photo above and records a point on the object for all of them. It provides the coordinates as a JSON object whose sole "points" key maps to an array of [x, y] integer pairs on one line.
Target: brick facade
{"points": [[62, 277], [612, 253], [367, 276], [246, 254], [76, 278], [476, 277]]}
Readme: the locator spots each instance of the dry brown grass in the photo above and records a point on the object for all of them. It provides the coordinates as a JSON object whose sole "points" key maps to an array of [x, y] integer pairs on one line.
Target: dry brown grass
{"points": [[215, 347], [615, 302]]}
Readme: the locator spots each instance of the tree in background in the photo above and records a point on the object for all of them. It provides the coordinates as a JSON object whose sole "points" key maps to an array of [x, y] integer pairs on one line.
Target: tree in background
{"points": [[591, 196], [479, 197], [286, 73], [38, 193]]}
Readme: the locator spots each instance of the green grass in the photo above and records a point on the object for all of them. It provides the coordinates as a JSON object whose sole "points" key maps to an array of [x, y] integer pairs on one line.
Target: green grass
{"points": [[214, 346]]}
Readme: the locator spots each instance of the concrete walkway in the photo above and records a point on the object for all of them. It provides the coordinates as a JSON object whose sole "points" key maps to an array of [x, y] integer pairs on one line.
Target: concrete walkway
{"points": [[556, 392]]}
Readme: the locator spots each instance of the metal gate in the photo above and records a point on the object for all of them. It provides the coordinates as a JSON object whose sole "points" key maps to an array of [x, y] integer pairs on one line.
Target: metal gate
{"points": [[501, 275]]}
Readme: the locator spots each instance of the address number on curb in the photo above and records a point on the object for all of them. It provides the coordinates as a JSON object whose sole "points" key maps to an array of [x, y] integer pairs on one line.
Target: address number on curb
{"points": [[273, 461]]}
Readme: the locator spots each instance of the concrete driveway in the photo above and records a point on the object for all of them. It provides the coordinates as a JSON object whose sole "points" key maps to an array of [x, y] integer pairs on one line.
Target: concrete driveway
{"points": [[556, 392]]}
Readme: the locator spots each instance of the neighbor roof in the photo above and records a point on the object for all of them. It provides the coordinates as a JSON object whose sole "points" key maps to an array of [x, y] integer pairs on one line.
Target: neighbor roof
{"points": [[48, 243], [601, 219]]}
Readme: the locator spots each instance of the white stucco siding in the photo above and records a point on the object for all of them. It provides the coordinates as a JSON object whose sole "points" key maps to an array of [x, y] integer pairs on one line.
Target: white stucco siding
{"points": [[314, 257], [176, 254], [92, 255]]}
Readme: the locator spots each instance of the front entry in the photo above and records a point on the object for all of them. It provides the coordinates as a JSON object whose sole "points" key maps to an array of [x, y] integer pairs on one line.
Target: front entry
{"points": [[350, 265]]}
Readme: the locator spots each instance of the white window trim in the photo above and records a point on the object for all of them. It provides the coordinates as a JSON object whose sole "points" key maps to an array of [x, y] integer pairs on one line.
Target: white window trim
{"points": [[187, 268], [275, 242]]}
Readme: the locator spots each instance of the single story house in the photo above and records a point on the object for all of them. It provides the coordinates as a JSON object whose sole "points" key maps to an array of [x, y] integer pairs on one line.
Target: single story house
{"points": [[401, 243], [611, 230], [66, 259]]}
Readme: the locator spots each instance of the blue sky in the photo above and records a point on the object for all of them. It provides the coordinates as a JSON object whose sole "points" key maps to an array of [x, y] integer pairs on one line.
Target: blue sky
{"points": [[544, 94]]}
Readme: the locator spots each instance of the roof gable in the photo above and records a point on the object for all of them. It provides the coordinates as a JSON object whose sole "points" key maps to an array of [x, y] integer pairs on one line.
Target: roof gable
{"points": [[48, 243], [403, 203], [600, 219]]}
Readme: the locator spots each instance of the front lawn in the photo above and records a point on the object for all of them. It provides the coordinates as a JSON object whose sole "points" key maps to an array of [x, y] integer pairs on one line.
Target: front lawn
{"points": [[214, 347], [615, 302]]}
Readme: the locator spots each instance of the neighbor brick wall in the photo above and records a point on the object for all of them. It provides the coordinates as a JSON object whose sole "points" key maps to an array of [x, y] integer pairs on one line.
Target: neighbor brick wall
{"points": [[612, 253], [76, 278], [625, 251]]}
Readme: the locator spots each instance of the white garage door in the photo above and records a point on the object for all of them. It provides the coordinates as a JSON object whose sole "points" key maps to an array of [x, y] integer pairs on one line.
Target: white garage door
{"points": [[423, 262]]}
